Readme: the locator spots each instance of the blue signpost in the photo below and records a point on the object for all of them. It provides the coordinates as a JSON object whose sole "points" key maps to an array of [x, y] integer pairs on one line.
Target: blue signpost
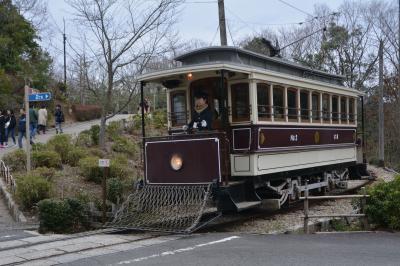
{"points": [[39, 97]]}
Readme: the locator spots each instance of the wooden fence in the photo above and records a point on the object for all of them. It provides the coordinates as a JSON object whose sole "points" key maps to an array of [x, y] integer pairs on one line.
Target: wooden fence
{"points": [[361, 215]]}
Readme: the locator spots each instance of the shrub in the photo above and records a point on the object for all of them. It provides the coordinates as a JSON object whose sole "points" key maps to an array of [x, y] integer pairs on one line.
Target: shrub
{"points": [[61, 144], [62, 216], [114, 129], [16, 160], [86, 112], [96, 152], [44, 172], [95, 134], [119, 170], [90, 169], [31, 189], [160, 119], [137, 120], [75, 155], [46, 158], [124, 145], [115, 189], [383, 205], [39, 147], [84, 139]]}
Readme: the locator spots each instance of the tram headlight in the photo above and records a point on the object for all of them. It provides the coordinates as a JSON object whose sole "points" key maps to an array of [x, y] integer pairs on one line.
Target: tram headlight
{"points": [[176, 162]]}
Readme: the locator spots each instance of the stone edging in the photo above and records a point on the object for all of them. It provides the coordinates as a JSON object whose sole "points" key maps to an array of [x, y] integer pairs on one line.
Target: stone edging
{"points": [[12, 206]]}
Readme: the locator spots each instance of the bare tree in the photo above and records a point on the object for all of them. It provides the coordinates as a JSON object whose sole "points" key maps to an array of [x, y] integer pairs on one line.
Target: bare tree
{"points": [[122, 36]]}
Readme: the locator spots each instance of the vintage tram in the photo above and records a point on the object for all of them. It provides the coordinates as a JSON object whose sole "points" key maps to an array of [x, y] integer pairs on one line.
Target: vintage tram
{"points": [[275, 125]]}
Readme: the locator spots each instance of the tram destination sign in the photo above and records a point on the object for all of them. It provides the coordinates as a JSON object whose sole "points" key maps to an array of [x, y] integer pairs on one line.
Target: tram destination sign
{"points": [[39, 97]]}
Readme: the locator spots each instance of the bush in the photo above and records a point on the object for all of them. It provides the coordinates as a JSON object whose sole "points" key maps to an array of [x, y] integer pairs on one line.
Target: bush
{"points": [[39, 147], [16, 160], [96, 152], [45, 158], [44, 172], [75, 155], [124, 145], [160, 119], [84, 139], [114, 129], [137, 120], [118, 170], [62, 216], [383, 205], [115, 189], [31, 189], [61, 144], [95, 134], [86, 112], [90, 169]]}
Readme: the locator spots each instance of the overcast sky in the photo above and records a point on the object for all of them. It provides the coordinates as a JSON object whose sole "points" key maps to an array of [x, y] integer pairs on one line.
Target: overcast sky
{"points": [[200, 20]]}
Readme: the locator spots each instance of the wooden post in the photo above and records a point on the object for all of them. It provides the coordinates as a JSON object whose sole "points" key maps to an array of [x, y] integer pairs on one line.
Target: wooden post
{"points": [[28, 133], [381, 130], [104, 185], [306, 231], [364, 219]]}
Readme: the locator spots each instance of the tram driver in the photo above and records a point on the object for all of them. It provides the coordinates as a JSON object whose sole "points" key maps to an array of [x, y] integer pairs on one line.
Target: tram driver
{"points": [[202, 115]]}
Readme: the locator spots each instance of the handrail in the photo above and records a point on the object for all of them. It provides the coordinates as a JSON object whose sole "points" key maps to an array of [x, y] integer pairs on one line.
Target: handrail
{"points": [[5, 173]]}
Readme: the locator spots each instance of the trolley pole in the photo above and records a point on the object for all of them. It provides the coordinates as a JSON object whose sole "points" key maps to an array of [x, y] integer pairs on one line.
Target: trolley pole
{"points": [[27, 129], [222, 23]]}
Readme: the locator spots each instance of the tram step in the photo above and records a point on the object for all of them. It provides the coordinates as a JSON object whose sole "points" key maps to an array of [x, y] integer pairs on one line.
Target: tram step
{"points": [[244, 205]]}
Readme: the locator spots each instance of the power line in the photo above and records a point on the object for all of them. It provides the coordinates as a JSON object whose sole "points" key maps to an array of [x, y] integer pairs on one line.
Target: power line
{"points": [[215, 35], [230, 34], [292, 6]]}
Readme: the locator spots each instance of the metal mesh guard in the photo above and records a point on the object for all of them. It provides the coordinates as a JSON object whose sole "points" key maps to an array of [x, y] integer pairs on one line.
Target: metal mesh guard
{"points": [[164, 208]]}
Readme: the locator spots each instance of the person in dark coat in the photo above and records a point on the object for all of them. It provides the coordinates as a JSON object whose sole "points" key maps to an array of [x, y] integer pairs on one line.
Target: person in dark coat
{"points": [[10, 130], [3, 121], [202, 115], [33, 121], [59, 119]]}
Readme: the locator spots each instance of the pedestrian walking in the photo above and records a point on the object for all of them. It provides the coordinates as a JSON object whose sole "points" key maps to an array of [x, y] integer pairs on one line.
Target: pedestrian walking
{"points": [[10, 128], [33, 121], [3, 121], [59, 119], [42, 121], [22, 128]]}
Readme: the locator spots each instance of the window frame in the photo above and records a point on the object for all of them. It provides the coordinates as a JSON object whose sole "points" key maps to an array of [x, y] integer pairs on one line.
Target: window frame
{"points": [[233, 102], [171, 113], [267, 116]]}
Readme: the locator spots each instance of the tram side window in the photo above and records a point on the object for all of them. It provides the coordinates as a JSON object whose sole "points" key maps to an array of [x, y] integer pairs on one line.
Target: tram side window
{"points": [[315, 107], [304, 105], [178, 114], [240, 102], [351, 110], [263, 106], [279, 109], [292, 104], [343, 111], [325, 108], [335, 109]]}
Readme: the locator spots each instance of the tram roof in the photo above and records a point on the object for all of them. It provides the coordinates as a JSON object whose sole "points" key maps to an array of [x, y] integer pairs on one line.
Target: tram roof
{"points": [[235, 55]]}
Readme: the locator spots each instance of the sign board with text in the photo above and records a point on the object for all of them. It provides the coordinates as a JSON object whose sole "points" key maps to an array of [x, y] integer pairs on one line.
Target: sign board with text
{"points": [[104, 163], [39, 97]]}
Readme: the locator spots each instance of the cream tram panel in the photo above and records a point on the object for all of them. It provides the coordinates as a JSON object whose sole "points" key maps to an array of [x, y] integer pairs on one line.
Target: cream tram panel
{"points": [[268, 163]]}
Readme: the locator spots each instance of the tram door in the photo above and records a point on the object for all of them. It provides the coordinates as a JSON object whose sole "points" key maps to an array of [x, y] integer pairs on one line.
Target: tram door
{"points": [[211, 87]]}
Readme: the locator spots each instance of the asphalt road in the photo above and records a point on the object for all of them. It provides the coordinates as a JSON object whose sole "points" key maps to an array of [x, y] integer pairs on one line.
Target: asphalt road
{"points": [[241, 249]]}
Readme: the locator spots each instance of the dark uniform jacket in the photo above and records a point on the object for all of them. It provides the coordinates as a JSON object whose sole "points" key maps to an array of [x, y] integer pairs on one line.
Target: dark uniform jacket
{"points": [[198, 118]]}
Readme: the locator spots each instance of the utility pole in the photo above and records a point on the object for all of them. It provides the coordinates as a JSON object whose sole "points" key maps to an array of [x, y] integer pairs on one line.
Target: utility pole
{"points": [[27, 128], [381, 141], [65, 58], [222, 23]]}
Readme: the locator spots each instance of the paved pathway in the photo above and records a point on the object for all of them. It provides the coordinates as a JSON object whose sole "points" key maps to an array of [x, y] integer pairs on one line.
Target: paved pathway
{"points": [[6, 221], [377, 248]]}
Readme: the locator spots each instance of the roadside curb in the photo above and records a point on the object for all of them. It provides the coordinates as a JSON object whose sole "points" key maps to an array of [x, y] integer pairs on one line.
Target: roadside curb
{"points": [[12, 206]]}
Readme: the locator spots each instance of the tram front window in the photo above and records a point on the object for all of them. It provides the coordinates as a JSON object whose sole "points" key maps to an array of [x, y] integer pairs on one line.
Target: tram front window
{"points": [[240, 102]]}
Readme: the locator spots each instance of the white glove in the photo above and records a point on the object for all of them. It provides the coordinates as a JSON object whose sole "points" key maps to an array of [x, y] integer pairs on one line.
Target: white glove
{"points": [[203, 123], [185, 127], [195, 125]]}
